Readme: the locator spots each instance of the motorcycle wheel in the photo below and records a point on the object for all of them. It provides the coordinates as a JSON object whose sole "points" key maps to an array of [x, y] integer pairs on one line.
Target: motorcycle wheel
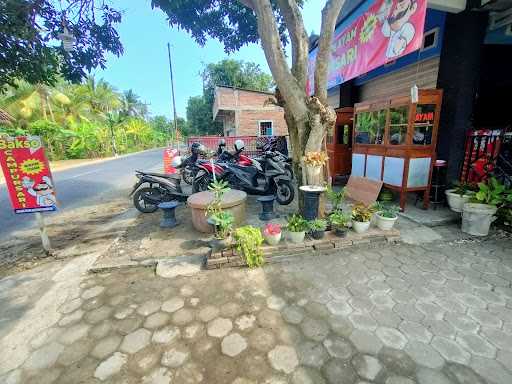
{"points": [[285, 192], [201, 183], [141, 204]]}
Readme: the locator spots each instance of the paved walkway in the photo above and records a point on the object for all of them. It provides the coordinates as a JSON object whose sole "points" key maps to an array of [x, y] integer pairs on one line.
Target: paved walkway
{"points": [[431, 314]]}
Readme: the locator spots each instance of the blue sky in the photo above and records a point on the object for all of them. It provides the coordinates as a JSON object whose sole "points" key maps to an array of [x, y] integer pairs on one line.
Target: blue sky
{"points": [[144, 66]]}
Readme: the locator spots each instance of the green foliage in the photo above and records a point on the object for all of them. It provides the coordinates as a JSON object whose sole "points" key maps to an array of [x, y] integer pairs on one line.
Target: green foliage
{"points": [[361, 213], [79, 120], [336, 198], [200, 117], [464, 189], [223, 222], [248, 241], [492, 193], [230, 22], [296, 223], [29, 29], [214, 209], [389, 211], [317, 225], [338, 219]]}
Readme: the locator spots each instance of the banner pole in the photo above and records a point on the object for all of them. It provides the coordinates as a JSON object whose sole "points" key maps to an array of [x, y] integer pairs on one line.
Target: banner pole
{"points": [[44, 236]]}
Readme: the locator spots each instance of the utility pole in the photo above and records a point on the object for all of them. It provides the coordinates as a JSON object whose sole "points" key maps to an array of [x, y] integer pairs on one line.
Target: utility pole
{"points": [[173, 97]]}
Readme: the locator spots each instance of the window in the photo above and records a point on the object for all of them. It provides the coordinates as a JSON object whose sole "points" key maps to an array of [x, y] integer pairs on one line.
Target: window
{"points": [[265, 128], [430, 39], [398, 122], [370, 127], [424, 124]]}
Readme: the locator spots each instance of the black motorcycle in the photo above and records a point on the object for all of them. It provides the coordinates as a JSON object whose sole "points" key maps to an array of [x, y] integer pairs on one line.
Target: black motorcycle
{"points": [[189, 166], [154, 188], [253, 179]]}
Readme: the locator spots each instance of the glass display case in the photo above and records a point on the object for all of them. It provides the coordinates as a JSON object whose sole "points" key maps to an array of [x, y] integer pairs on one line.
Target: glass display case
{"points": [[394, 141]]}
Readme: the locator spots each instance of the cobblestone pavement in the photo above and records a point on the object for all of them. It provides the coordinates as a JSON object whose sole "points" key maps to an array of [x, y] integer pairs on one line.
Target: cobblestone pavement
{"points": [[433, 314]]}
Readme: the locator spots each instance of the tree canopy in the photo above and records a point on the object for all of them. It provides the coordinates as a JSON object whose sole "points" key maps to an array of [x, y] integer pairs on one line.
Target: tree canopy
{"points": [[29, 39], [227, 72]]}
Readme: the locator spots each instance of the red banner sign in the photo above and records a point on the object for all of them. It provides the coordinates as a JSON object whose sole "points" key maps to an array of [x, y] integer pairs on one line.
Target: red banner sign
{"points": [[385, 31], [27, 174]]}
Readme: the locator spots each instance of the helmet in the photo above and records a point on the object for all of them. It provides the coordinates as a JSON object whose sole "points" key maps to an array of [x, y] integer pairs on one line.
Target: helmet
{"points": [[195, 148], [239, 145], [176, 161], [222, 143]]}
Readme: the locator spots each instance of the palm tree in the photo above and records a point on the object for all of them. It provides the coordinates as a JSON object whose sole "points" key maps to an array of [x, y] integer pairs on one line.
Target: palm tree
{"points": [[133, 106]]}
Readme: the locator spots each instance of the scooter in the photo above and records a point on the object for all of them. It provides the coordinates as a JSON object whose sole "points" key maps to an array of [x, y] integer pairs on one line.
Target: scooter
{"points": [[161, 188], [246, 174]]}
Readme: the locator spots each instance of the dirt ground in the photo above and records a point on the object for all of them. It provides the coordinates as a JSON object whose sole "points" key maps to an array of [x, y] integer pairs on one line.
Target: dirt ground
{"points": [[71, 233]]}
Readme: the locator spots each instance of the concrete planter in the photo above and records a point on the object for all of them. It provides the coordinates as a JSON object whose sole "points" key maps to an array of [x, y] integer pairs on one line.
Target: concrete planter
{"points": [[455, 200], [385, 223], [360, 227], [477, 218], [296, 237]]}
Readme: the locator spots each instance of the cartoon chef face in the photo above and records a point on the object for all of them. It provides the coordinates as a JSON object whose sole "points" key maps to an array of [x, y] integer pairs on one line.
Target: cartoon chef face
{"points": [[401, 13]]}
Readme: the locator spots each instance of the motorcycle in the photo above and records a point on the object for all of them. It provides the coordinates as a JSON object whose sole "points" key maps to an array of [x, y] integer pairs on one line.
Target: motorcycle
{"points": [[189, 165], [162, 188], [246, 174]]}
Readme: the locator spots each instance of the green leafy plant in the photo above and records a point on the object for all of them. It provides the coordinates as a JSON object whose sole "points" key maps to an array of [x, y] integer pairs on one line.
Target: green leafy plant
{"points": [[464, 189], [248, 241], [492, 193], [339, 220], [389, 211], [317, 225], [362, 213], [223, 222], [335, 197], [218, 188], [296, 223]]}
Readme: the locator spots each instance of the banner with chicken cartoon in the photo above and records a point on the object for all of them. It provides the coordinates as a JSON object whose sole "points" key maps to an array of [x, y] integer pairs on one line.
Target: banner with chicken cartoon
{"points": [[27, 174], [382, 31]]}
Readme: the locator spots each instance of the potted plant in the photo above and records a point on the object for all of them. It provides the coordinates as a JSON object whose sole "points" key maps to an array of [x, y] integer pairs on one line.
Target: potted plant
{"points": [[458, 196], [339, 222], [314, 161], [335, 197], [248, 243], [361, 217], [317, 228], [272, 233], [386, 216], [221, 221], [296, 227], [478, 213]]}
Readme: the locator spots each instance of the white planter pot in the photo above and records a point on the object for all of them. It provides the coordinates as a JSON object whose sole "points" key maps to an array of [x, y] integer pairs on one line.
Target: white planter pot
{"points": [[296, 237], [385, 223], [273, 239], [313, 175], [360, 227], [455, 200], [477, 218]]}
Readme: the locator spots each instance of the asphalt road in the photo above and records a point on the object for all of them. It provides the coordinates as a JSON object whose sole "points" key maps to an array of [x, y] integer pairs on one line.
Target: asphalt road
{"points": [[84, 185]]}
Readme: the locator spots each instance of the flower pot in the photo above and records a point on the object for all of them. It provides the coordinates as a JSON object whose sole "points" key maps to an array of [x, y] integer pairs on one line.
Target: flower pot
{"points": [[317, 235], [385, 223], [360, 227], [455, 200], [296, 237], [218, 245], [340, 232], [477, 218], [313, 175], [273, 239]]}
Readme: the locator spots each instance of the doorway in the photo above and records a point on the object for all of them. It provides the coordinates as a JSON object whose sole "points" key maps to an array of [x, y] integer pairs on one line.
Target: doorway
{"points": [[339, 143]]}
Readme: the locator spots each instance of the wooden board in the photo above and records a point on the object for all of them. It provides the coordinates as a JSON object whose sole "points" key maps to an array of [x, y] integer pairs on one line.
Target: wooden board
{"points": [[363, 190]]}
